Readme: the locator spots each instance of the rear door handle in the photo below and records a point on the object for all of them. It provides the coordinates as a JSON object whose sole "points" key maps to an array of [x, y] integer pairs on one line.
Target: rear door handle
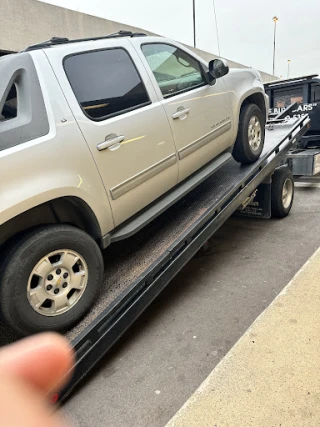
{"points": [[112, 142], [181, 111]]}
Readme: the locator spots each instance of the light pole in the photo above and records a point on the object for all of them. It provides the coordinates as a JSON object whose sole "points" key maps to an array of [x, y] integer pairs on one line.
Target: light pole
{"points": [[288, 68], [275, 19], [194, 23]]}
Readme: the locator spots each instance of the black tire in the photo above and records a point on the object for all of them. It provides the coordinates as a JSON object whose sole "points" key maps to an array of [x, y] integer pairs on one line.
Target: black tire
{"points": [[21, 257], [243, 152], [280, 205]]}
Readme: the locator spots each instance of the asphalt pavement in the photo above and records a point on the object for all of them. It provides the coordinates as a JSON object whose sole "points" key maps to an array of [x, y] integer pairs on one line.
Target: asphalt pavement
{"points": [[184, 334]]}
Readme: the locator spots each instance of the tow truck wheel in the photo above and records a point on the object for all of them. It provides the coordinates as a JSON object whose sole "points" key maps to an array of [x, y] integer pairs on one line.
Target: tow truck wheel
{"points": [[49, 279], [282, 192], [251, 133]]}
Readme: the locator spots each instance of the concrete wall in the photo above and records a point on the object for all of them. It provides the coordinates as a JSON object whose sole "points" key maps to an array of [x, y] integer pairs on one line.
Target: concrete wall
{"points": [[25, 22]]}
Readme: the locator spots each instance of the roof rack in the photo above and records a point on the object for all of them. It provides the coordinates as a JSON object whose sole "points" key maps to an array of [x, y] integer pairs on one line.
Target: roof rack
{"points": [[54, 41], [292, 80]]}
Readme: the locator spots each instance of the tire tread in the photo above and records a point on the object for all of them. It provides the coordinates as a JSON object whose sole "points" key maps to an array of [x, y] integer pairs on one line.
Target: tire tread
{"points": [[17, 251], [242, 152]]}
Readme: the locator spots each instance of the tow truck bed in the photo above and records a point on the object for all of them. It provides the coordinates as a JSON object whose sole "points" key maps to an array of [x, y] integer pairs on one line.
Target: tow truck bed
{"points": [[139, 268]]}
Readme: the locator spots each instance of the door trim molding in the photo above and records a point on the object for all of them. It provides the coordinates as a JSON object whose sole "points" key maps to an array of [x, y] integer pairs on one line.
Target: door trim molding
{"points": [[142, 176], [195, 145]]}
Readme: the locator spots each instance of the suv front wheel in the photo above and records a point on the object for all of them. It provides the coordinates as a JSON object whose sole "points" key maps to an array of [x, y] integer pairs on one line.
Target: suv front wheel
{"points": [[251, 133], [49, 279]]}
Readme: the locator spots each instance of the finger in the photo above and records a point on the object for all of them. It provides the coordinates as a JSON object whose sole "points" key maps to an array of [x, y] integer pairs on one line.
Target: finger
{"points": [[44, 361], [23, 405]]}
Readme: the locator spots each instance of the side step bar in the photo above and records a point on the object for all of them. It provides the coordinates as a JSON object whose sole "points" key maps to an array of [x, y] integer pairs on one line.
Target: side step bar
{"points": [[150, 213]]}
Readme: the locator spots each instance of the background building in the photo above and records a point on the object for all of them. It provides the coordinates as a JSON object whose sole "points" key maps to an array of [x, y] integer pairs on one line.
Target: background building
{"points": [[25, 22]]}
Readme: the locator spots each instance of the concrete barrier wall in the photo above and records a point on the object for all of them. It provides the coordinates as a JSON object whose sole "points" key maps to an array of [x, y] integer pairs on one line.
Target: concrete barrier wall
{"points": [[25, 22]]}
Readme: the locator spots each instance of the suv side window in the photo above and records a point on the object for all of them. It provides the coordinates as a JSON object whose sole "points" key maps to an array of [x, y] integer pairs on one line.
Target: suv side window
{"points": [[174, 70], [9, 110], [105, 83]]}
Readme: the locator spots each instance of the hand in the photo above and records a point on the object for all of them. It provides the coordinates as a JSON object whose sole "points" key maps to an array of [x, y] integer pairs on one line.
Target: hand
{"points": [[30, 370]]}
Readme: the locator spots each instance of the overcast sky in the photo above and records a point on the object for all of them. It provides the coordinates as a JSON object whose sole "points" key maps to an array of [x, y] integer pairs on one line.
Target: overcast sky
{"points": [[245, 27]]}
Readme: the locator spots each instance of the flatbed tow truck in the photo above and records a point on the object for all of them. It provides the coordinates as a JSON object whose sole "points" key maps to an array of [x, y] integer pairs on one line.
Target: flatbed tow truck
{"points": [[140, 267], [295, 98]]}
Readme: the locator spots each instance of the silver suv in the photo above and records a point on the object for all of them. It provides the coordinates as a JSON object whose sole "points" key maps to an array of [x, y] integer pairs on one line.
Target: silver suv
{"points": [[97, 138]]}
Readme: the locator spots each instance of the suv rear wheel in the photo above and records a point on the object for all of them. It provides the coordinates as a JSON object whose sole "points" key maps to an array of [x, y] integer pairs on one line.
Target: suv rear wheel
{"points": [[49, 279], [251, 132]]}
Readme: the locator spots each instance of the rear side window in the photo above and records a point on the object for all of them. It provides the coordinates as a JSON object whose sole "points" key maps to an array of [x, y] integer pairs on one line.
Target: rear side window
{"points": [[105, 83], [285, 97], [10, 107]]}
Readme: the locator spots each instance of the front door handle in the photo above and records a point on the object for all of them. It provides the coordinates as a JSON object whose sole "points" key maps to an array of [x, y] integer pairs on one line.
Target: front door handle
{"points": [[181, 113], [112, 141]]}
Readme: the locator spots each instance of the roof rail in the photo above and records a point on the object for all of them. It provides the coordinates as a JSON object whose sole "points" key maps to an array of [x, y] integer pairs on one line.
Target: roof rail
{"points": [[54, 41], [292, 80]]}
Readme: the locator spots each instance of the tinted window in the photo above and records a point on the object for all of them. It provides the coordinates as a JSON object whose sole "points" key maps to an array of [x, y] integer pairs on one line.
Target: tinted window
{"points": [[316, 93], [174, 70], [284, 98], [105, 83], [9, 110]]}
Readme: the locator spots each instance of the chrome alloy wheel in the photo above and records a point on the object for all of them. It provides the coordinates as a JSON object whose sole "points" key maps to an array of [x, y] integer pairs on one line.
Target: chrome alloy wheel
{"points": [[57, 282], [254, 133]]}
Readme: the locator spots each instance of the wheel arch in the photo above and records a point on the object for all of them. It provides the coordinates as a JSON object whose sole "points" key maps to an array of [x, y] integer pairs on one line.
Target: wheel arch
{"points": [[255, 98], [63, 210]]}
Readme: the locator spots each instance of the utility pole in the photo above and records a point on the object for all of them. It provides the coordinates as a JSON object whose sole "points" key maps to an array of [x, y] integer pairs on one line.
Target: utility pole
{"points": [[275, 19], [194, 23], [216, 21], [288, 68]]}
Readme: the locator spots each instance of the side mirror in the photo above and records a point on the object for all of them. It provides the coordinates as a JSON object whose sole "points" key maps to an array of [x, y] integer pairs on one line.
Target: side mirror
{"points": [[218, 68]]}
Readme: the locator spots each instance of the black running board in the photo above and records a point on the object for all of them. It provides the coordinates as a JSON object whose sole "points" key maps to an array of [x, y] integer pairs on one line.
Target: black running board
{"points": [[151, 212]]}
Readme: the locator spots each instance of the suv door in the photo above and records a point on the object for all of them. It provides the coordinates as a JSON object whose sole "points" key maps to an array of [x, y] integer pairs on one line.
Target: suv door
{"points": [[124, 125], [200, 115]]}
